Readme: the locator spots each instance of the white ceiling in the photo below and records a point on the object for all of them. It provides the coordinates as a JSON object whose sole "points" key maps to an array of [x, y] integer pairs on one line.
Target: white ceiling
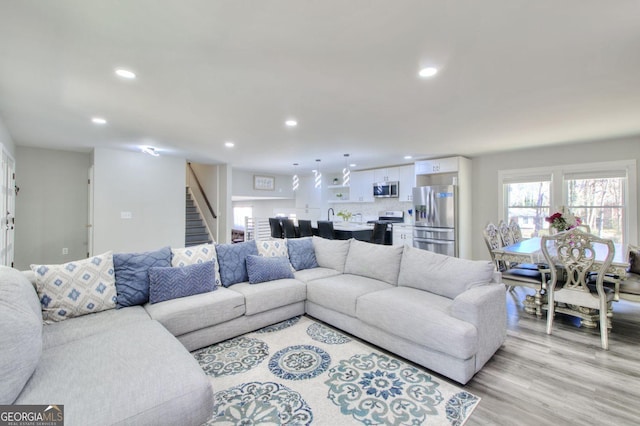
{"points": [[513, 73]]}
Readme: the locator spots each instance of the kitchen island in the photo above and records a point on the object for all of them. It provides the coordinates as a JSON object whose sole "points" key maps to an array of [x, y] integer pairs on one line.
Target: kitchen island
{"points": [[347, 230]]}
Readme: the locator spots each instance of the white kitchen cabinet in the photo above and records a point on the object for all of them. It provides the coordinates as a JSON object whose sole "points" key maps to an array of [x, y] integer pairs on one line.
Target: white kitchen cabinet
{"points": [[407, 181], [339, 194], [361, 189], [439, 165], [402, 234], [389, 174]]}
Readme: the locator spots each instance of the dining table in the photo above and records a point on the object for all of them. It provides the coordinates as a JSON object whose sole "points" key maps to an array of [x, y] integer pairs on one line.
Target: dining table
{"points": [[530, 251]]}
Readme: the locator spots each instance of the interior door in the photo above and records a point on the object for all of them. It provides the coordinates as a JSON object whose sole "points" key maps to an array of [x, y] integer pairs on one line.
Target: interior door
{"points": [[7, 208], [90, 218]]}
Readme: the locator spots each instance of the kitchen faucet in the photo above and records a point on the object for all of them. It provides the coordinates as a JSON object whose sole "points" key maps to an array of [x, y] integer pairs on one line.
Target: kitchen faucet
{"points": [[330, 211]]}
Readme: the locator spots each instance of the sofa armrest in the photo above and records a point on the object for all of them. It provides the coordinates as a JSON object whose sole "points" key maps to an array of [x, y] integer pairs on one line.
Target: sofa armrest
{"points": [[486, 308]]}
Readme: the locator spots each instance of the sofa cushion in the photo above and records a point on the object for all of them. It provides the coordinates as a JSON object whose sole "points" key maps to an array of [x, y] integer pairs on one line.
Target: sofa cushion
{"points": [[196, 254], [60, 333], [307, 275], [172, 283], [132, 274], [331, 254], [419, 317], [232, 259], [20, 333], [375, 261], [136, 375], [262, 269], [302, 255], [444, 275], [271, 295], [76, 288], [340, 293], [192, 313]]}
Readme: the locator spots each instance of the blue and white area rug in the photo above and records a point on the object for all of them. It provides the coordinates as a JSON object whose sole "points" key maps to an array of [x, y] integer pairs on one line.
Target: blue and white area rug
{"points": [[301, 372]]}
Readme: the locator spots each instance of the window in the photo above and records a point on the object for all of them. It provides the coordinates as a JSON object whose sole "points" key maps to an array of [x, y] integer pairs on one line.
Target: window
{"points": [[603, 194], [527, 202], [598, 199], [239, 215]]}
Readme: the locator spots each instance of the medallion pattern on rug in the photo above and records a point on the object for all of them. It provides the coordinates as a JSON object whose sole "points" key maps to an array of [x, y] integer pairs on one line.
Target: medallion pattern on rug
{"points": [[459, 407], [232, 356], [299, 362], [279, 326], [259, 403], [324, 334], [376, 389]]}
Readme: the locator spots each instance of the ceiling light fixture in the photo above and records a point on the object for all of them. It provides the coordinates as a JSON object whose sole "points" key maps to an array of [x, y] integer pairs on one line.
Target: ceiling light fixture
{"points": [[150, 150], [129, 75], [291, 123], [318, 176], [346, 172], [408, 157], [295, 180], [352, 165], [98, 120], [229, 144], [428, 72]]}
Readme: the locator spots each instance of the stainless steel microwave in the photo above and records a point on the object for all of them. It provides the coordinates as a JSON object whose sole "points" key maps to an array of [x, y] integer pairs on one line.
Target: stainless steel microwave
{"points": [[385, 190]]}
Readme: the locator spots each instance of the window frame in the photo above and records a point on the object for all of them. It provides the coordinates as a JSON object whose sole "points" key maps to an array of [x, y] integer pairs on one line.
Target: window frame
{"points": [[558, 191]]}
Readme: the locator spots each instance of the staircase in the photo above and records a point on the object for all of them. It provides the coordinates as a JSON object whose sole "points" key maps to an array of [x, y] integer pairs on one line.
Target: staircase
{"points": [[195, 231]]}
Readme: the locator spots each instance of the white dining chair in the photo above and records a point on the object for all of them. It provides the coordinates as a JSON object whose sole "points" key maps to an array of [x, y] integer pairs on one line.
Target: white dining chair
{"points": [[572, 252]]}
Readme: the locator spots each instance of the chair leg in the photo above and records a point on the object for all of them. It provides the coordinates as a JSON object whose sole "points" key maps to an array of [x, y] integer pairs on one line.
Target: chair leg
{"points": [[550, 313], [604, 329]]}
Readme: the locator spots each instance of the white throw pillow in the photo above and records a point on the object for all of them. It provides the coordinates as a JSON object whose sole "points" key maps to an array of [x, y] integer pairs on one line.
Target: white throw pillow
{"points": [[196, 254], [76, 288]]}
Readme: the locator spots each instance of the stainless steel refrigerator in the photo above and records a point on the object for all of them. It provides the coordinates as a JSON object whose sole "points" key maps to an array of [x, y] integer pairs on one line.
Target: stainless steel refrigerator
{"points": [[436, 219]]}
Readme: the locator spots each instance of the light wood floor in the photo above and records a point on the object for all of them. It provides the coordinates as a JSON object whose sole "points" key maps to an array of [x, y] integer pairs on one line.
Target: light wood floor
{"points": [[564, 378]]}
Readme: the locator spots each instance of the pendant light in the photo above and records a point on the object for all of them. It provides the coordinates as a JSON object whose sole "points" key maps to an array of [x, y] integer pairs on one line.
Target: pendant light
{"points": [[318, 176], [346, 172], [295, 180]]}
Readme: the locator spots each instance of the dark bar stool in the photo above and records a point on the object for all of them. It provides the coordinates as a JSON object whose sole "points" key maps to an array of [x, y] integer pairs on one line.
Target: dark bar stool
{"points": [[379, 232], [276, 227], [288, 228], [304, 228], [325, 229]]}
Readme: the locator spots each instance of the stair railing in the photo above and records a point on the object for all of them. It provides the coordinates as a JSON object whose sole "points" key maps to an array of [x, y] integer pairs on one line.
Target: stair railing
{"points": [[199, 198]]}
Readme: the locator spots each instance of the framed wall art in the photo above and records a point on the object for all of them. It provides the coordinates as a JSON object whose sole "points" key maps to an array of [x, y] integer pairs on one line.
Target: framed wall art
{"points": [[264, 183]]}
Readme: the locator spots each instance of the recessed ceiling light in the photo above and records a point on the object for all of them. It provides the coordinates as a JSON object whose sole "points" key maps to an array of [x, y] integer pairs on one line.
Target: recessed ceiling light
{"points": [[229, 144], [428, 72], [408, 157], [352, 165], [130, 75], [98, 120], [150, 150], [291, 123]]}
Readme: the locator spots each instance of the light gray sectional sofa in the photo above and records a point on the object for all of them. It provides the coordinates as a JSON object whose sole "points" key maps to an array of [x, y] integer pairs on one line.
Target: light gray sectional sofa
{"points": [[132, 365]]}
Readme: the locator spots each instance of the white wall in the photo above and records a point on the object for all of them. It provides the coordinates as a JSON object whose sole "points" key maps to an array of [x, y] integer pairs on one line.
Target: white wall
{"points": [[51, 207], [243, 185], [6, 139], [151, 188], [485, 174]]}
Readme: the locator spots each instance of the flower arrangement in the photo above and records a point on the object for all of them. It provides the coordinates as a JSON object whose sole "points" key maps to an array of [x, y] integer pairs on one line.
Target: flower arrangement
{"points": [[345, 215], [563, 219]]}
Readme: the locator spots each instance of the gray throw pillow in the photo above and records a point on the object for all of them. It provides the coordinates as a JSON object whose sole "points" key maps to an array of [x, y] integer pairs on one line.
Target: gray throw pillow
{"points": [[168, 283], [132, 274], [20, 331], [301, 253]]}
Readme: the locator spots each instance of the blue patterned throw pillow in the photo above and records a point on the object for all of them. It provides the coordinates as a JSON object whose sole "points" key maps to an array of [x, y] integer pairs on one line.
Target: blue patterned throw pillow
{"points": [[302, 254], [171, 283], [262, 269], [232, 260], [132, 274]]}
